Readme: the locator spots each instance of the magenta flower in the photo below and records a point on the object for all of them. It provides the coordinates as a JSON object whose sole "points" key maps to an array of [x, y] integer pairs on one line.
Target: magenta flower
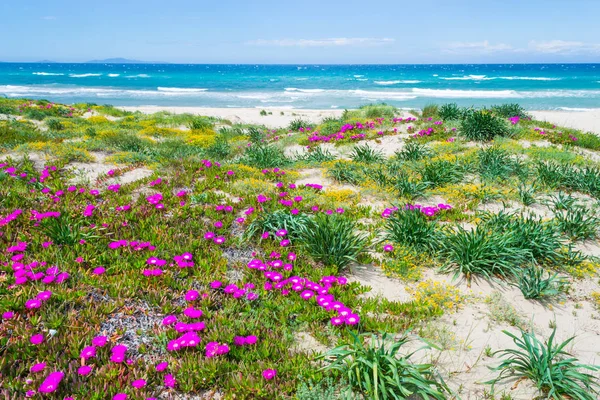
{"points": [[51, 382], [388, 248], [33, 303], [88, 352], [8, 315], [99, 341], [269, 374], [37, 339], [120, 396], [98, 271], [138, 384], [170, 381], [162, 366], [191, 295], [38, 367], [84, 370]]}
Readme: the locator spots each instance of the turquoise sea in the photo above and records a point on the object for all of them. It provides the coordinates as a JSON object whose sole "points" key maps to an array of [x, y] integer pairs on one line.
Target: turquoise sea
{"points": [[535, 86]]}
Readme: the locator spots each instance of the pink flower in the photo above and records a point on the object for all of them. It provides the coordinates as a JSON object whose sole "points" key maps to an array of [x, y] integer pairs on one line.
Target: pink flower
{"points": [[99, 270], [170, 381], [84, 370], [51, 382], [38, 367], [388, 248], [162, 366], [99, 341], [37, 339], [138, 384], [120, 396], [269, 374]]}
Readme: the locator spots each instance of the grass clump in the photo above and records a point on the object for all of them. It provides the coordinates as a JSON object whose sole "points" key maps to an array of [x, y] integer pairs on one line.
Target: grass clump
{"points": [[414, 151], [297, 124], [578, 223], [378, 371], [366, 154], [509, 110], [333, 240], [265, 156], [483, 126], [556, 374], [430, 111], [450, 112], [535, 283], [412, 228]]}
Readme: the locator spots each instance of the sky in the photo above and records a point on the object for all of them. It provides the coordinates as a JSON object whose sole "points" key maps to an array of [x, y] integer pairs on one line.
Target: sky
{"points": [[302, 31]]}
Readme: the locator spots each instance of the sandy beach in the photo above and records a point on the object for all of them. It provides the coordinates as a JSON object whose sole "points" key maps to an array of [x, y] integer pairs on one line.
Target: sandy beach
{"points": [[588, 121]]}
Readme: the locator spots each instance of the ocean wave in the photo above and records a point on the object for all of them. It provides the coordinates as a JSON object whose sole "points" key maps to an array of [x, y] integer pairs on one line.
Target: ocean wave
{"points": [[180, 90], [491, 78], [385, 83], [83, 75], [358, 76], [576, 109], [114, 75], [138, 76], [305, 90], [47, 74]]}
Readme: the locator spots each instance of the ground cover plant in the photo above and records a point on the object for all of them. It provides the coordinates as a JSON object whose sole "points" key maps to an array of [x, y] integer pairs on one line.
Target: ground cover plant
{"points": [[178, 256]]}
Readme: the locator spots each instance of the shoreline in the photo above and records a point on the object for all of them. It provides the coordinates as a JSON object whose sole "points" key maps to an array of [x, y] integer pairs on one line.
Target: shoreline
{"points": [[587, 121]]}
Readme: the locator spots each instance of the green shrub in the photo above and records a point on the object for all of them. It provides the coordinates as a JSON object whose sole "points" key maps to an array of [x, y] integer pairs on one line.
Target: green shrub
{"points": [[345, 172], [54, 124], [408, 187], [382, 110], [509, 110], [497, 164], [333, 240], [276, 220], [265, 156], [535, 283], [555, 373], [413, 151], [298, 123], [366, 154], [450, 112], [316, 155], [578, 223], [380, 372], [483, 126], [199, 123], [256, 135], [441, 172], [411, 227], [480, 252], [430, 111]]}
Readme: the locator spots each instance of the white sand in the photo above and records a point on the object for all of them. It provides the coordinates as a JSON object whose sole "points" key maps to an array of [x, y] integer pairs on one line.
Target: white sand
{"points": [[583, 120], [588, 121], [246, 115]]}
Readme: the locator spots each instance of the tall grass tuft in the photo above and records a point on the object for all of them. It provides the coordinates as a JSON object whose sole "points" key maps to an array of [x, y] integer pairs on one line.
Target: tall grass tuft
{"points": [[483, 126], [430, 111], [556, 374], [411, 227], [378, 371], [366, 154], [333, 240]]}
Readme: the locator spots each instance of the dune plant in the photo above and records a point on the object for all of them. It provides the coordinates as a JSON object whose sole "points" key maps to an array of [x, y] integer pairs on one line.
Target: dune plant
{"points": [[441, 172], [333, 240], [527, 194], [430, 111], [265, 156], [556, 374], [578, 223], [375, 368], [199, 123], [535, 283], [276, 220], [450, 112], [495, 163], [316, 155], [408, 187], [480, 252], [411, 227], [413, 151], [483, 126], [345, 172], [509, 110], [382, 110], [298, 123], [366, 154]]}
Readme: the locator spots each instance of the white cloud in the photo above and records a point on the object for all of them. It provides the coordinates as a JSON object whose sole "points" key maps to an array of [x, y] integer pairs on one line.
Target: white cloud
{"points": [[564, 47], [477, 47], [322, 42]]}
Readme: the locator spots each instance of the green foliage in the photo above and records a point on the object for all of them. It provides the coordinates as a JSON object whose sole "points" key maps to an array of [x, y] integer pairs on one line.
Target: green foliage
{"points": [[430, 111], [411, 227], [12, 134], [382, 110], [527, 194], [380, 372], [578, 223], [441, 172], [316, 155], [480, 252], [450, 112], [535, 283], [497, 164], [326, 389], [366, 154], [345, 172], [298, 123], [569, 177], [333, 240], [256, 135], [414, 151], [408, 187], [509, 110], [279, 219], [265, 156], [483, 126], [54, 124], [65, 230], [556, 373], [199, 123]]}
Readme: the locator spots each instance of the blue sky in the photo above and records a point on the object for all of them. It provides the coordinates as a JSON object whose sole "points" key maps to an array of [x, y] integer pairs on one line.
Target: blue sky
{"points": [[303, 31]]}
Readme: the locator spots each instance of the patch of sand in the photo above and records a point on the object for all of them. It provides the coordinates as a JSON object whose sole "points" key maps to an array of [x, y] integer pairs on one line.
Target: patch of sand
{"points": [[588, 121]]}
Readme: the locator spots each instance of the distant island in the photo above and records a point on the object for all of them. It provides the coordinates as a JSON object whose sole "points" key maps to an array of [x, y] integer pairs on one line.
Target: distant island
{"points": [[123, 61]]}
